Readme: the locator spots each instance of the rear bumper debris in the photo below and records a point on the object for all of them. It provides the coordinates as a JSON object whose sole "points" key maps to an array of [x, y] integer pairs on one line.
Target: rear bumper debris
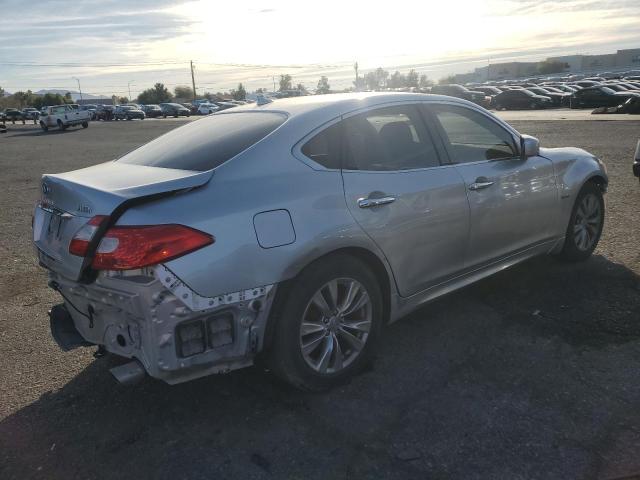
{"points": [[149, 315]]}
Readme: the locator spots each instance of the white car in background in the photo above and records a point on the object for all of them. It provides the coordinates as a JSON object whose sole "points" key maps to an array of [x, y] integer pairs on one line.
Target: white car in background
{"points": [[207, 108], [63, 116]]}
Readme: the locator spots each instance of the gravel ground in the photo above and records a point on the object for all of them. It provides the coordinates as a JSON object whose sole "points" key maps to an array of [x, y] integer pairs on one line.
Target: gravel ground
{"points": [[532, 373]]}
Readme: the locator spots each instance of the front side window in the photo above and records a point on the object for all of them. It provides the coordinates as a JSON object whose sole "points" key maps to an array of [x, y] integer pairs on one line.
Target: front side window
{"points": [[390, 138], [471, 136]]}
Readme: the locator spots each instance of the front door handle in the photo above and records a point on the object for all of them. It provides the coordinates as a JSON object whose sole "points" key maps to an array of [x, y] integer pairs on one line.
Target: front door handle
{"points": [[480, 184], [374, 202]]}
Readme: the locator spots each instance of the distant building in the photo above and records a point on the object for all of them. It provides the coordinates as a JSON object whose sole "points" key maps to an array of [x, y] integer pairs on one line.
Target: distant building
{"points": [[573, 61], [628, 58], [621, 60]]}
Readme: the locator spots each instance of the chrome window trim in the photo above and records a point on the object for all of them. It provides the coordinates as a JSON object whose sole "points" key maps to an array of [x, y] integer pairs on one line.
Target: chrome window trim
{"points": [[517, 138], [297, 148]]}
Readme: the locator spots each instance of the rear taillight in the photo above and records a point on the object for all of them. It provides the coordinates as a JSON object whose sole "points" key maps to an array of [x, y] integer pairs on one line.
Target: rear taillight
{"points": [[80, 242], [129, 247]]}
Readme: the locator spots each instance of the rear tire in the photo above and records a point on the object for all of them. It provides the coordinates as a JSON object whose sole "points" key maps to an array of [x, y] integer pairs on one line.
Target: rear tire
{"points": [[585, 224], [44, 127], [340, 336], [85, 124]]}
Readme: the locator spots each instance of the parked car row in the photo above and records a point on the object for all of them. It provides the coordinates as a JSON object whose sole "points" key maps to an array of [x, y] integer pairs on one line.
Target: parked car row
{"points": [[590, 92], [15, 115]]}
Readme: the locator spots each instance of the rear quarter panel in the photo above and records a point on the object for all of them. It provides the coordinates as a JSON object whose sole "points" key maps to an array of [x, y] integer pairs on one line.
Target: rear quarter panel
{"points": [[261, 179]]}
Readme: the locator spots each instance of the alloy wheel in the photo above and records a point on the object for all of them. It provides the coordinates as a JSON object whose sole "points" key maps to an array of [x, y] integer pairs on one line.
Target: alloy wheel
{"points": [[587, 223], [335, 325]]}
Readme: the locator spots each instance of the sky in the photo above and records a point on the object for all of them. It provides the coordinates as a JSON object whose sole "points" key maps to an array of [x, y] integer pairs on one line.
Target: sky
{"points": [[113, 46]]}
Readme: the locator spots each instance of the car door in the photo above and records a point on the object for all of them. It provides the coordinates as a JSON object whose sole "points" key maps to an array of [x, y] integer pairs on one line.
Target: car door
{"points": [[513, 201], [414, 208]]}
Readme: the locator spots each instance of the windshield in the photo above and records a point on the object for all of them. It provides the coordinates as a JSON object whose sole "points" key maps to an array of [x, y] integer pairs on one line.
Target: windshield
{"points": [[607, 90], [207, 143]]}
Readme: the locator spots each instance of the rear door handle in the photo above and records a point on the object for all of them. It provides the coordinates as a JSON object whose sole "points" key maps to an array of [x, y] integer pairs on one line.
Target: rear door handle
{"points": [[480, 184], [374, 202]]}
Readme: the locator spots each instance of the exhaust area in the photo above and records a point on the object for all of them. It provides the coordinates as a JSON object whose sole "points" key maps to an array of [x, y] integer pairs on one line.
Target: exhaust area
{"points": [[129, 374]]}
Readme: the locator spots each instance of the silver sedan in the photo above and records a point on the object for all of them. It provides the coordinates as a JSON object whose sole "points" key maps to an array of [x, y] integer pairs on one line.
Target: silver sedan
{"points": [[295, 230]]}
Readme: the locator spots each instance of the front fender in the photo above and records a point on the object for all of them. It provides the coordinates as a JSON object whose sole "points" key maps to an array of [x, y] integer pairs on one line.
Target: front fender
{"points": [[573, 168]]}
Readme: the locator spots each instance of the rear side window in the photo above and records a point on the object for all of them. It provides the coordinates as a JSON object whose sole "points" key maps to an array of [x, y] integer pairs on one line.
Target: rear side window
{"points": [[206, 143], [325, 147], [390, 138]]}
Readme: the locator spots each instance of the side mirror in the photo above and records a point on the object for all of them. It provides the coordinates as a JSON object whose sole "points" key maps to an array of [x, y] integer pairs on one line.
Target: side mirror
{"points": [[530, 146]]}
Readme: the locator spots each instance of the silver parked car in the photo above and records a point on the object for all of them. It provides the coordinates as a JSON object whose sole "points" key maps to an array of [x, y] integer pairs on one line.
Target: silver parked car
{"points": [[297, 229]]}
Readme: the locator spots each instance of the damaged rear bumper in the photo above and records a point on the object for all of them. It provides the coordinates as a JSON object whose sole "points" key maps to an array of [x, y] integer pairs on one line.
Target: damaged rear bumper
{"points": [[151, 316]]}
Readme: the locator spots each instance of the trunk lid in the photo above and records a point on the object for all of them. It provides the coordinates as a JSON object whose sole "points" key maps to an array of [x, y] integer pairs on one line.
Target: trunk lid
{"points": [[70, 199]]}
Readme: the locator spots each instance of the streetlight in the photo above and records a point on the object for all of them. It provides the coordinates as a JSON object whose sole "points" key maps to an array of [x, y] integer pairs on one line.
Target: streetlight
{"points": [[129, 86], [80, 89]]}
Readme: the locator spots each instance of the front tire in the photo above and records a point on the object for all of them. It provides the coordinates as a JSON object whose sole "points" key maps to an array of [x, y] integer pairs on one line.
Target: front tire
{"points": [[327, 326], [44, 127], [585, 224], [85, 124]]}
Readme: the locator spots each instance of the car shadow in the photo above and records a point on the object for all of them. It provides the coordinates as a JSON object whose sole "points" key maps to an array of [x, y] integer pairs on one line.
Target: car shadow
{"points": [[530, 373], [37, 132]]}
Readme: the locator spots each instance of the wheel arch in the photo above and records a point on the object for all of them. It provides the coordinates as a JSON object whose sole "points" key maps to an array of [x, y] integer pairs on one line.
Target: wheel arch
{"points": [[599, 180], [369, 258]]}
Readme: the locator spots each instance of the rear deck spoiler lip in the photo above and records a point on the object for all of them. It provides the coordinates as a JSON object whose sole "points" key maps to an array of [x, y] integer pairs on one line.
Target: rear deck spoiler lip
{"points": [[84, 179]]}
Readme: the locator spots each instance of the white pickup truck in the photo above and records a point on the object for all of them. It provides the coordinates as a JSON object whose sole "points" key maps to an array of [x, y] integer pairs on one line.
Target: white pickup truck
{"points": [[63, 116]]}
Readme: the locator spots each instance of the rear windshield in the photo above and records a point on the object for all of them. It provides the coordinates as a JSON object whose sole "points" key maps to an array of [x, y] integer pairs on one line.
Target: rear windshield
{"points": [[206, 143]]}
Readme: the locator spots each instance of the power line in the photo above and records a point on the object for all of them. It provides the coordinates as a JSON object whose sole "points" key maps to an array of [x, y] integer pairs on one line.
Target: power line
{"points": [[182, 62]]}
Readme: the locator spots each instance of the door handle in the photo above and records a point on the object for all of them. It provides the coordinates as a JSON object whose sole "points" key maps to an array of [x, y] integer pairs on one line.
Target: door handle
{"points": [[374, 202], [480, 184]]}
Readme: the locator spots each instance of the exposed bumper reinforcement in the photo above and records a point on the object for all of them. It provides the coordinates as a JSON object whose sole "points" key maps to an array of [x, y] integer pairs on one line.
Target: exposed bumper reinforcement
{"points": [[63, 330]]}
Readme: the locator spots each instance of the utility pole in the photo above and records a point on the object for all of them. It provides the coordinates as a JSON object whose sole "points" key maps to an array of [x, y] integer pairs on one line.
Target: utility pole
{"points": [[355, 66], [79, 89], [193, 82], [274, 83], [129, 86]]}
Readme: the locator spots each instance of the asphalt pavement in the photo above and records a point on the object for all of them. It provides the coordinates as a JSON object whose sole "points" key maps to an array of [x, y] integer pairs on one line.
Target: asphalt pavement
{"points": [[530, 374]]}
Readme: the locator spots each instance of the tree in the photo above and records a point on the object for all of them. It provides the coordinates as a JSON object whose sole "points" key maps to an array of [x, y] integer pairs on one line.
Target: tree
{"points": [[285, 83], [121, 100], [323, 86], [397, 80], [158, 94], [301, 88], [47, 100], [67, 98], [412, 79], [1, 92], [183, 92], [377, 79], [240, 93], [23, 98], [424, 82], [547, 67], [447, 80]]}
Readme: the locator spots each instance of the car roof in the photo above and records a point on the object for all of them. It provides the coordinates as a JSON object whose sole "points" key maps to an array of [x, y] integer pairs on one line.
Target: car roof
{"points": [[330, 106]]}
